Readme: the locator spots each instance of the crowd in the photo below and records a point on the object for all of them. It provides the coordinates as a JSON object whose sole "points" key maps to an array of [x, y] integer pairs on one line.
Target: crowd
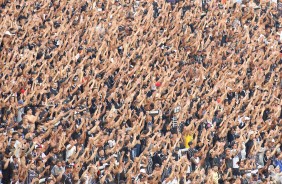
{"points": [[124, 91]]}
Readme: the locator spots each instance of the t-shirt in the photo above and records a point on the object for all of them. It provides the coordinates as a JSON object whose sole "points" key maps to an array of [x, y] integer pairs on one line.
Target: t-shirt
{"points": [[190, 153], [57, 170], [30, 176], [67, 178], [19, 115], [278, 163], [249, 146], [166, 173], [150, 165], [229, 163], [273, 1], [7, 173], [70, 152], [215, 177], [235, 160], [187, 139]]}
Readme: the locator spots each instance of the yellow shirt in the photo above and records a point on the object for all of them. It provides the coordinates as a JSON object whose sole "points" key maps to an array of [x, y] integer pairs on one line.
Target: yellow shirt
{"points": [[187, 139], [215, 177]]}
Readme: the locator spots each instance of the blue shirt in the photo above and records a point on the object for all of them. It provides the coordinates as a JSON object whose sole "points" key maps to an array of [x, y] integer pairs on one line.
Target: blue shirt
{"points": [[278, 163]]}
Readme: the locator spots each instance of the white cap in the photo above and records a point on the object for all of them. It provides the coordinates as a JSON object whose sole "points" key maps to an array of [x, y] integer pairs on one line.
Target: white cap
{"points": [[8, 33], [142, 171], [247, 118], [254, 171]]}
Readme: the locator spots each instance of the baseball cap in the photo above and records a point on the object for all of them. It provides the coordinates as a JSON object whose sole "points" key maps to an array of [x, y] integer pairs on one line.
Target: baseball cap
{"points": [[38, 146], [158, 84], [68, 166], [8, 33]]}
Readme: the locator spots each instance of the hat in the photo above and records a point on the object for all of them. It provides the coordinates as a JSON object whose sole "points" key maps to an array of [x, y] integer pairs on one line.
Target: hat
{"points": [[8, 33], [20, 102], [49, 179], [66, 101], [38, 146], [254, 172], [80, 48], [158, 84], [89, 50], [68, 166], [256, 7], [203, 13], [142, 171], [47, 57]]}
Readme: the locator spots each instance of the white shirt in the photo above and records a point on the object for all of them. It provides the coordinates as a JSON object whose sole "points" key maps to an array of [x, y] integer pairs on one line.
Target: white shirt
{"points": [[174, 181], [243, 151], [280, 35], [70, 152], [235, 160], [112, 143], [238, 1], [42, 155], [17, 147], [273, 1]]}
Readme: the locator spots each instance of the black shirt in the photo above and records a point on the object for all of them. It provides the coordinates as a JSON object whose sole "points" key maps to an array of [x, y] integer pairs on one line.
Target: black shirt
{"points": [[67, 178], [7, 173], [249, 146], [31, 175]]}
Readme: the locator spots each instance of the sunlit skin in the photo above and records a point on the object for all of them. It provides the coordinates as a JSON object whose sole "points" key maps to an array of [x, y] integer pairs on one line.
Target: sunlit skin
{"points": [[88, 73]]}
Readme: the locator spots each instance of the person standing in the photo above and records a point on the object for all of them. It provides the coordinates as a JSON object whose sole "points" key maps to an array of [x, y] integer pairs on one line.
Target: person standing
{"points": [[190, 155], [7, 169], [67, 177]]}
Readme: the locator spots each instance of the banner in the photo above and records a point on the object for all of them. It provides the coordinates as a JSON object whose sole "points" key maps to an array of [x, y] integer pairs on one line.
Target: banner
{"points": [[279, 7]]}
